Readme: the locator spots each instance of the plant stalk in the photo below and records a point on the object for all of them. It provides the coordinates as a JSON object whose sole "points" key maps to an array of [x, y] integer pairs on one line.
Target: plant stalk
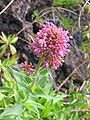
{"points": [[37, 71]]}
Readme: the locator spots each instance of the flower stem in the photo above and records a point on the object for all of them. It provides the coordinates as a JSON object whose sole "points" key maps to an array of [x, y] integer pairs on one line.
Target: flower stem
{"points": [[37, 71]]}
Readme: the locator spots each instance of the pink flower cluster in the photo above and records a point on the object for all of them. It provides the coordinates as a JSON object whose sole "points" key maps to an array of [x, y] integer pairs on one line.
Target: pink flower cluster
{"points": [[51, 44]]}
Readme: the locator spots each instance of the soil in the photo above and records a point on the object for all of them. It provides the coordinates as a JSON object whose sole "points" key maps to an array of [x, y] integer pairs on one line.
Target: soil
{"points": [[19, 16]]}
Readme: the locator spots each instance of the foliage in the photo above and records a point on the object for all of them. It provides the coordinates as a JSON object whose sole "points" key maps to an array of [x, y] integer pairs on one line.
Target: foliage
{"points": [[66, 23], [7, 44], [87, 9], [7, 53], [32, 98], [86, 33], [86, 40], [67, 3]]}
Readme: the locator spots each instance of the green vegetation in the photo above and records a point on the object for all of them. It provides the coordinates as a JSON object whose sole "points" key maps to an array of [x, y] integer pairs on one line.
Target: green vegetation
{"points": [[7, 44], [67, 3], [66, 23], [86, 40]]}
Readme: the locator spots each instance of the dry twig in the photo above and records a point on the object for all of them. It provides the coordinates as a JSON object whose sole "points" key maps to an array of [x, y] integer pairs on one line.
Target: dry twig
{"points": [[80, 111], [6, 7], [24, 40], [54, 9], [80, 14], [82, 86], [70, 75], [21, 30]]}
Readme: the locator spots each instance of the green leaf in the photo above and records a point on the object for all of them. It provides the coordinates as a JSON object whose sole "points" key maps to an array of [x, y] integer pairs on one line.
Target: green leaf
{"points": [[48, 87], [59, 98], [62, 116], [7, 75], [74, 101], [5, 89], [47, 108], [1, 41], [27, 106], [28, 116], [1, 96], [74, 116], [39, 92], [16, 110], [42, 81], [3, 49], [43, 71], [8, 118], [35, 104], [4, 38], [20, 78], [12, 39], [35, 110], [15, 40], [12, 49], [10, 61], [20, 95]]}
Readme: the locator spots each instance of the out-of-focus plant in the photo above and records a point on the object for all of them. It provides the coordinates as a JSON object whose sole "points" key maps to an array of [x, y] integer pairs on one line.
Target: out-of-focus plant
{"points": [[66, 23], [86, 40], [86, 33], [8, 61], [86, 9], [7, 53], [7, 44], [67, 3]]}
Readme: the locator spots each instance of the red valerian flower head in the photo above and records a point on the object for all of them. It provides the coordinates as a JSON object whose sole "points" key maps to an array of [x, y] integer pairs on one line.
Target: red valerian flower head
{"points": [[51, 44]]}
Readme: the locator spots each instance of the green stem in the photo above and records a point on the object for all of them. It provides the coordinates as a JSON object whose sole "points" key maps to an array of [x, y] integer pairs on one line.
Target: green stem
{"points": [[37, 71]]}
